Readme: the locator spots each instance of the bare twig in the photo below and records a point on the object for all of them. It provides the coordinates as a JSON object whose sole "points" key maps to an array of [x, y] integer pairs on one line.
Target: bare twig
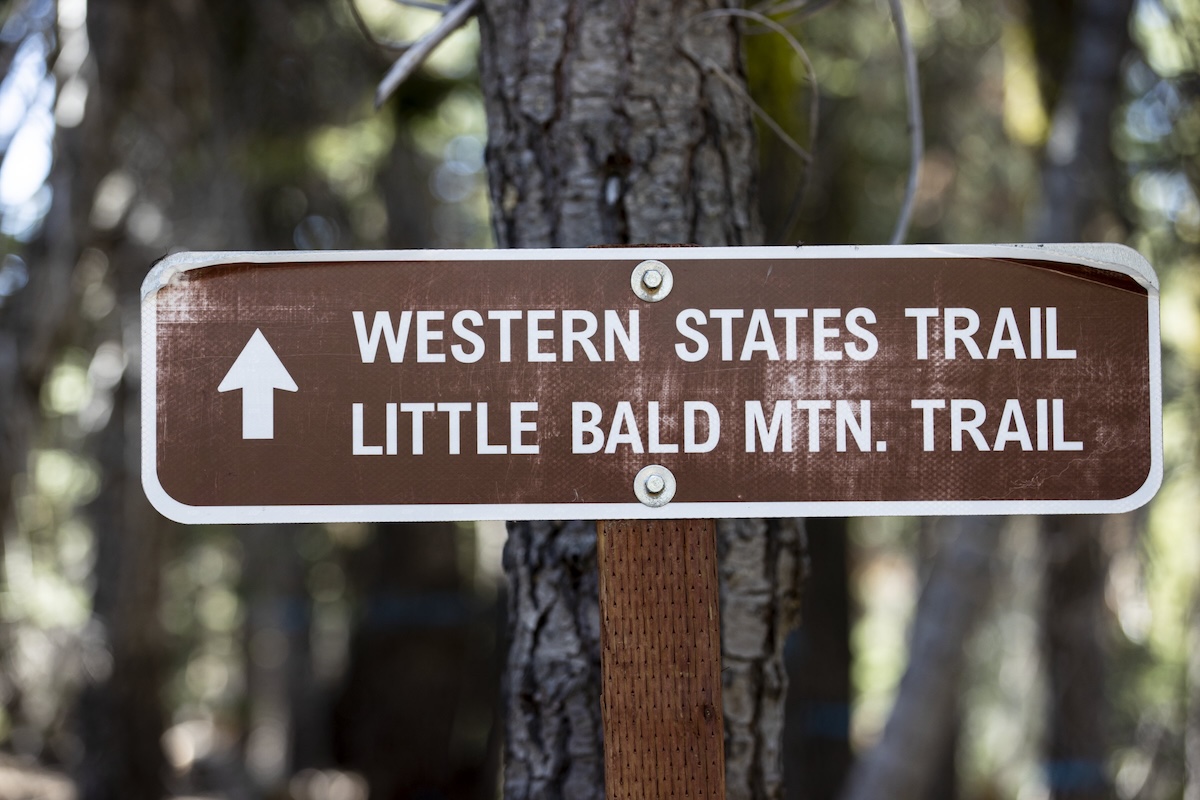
{"points": [[916, 124], [803, 8], [439, 7], [814, 111], [758, 111], [365, 30], [454, 18], [953, 601]]}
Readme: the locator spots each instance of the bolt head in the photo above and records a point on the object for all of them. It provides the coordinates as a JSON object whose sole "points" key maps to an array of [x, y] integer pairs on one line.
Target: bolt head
{"points": [[655, 484], [652, 279]]}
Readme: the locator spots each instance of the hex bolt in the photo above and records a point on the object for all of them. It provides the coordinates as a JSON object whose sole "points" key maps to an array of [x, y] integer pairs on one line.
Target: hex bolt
{"points": [[651, 280], [654, 485]]}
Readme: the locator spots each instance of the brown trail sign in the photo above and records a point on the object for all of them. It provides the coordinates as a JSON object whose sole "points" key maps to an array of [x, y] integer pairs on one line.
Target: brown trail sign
{"points": [[658, 385], [751, 382]]}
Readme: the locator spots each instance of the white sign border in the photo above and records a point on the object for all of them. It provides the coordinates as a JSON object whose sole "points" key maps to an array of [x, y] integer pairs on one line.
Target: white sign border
{"points": [[1107, 257]]}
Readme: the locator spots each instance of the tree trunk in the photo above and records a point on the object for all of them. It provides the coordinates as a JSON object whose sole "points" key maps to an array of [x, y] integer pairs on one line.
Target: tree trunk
{"points": [[933, 536], [279, 680], [1073, 639], [817, 734], [761, 568], [184, 99], [409, 725], [906, 762], [121, 712], [415, 599], [604, 129], [1079, 180], [552, 736], [607, 124], [1079, 177]]}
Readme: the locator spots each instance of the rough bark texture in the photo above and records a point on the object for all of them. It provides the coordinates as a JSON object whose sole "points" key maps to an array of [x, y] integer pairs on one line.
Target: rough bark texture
{"points": [[906, 763], [604, 127], [1079, 181], [553, 737], [762, 565]]}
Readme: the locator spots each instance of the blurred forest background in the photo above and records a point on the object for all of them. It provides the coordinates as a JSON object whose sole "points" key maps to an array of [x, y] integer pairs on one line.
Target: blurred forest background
{"points": [[141, 659]]}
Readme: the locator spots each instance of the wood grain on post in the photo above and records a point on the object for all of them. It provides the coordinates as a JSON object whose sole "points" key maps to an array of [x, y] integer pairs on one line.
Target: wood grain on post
{"points": [[660, 644]]}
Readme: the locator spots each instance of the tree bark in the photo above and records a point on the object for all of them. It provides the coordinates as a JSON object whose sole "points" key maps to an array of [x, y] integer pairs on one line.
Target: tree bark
{"points": [[1079, 182], [762, 565], [553, 738], [607, 124], [604, 129], [905, 763]]}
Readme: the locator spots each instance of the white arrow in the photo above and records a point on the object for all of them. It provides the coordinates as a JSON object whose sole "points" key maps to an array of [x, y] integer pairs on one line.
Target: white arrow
{"points": [[258, 372]]}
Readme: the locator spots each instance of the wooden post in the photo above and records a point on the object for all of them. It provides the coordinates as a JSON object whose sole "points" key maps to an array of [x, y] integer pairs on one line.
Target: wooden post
{"points": [[660, 640]]}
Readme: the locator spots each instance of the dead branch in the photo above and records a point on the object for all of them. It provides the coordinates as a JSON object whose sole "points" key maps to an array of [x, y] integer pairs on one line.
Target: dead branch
{"points": [[455, 17], [438, 7], [802, 9], [369, 35], [814, 111], [916, 123]]}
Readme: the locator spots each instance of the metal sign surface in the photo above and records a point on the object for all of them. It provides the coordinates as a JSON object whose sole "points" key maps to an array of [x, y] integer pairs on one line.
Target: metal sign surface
{"points": [[628, 383]]}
